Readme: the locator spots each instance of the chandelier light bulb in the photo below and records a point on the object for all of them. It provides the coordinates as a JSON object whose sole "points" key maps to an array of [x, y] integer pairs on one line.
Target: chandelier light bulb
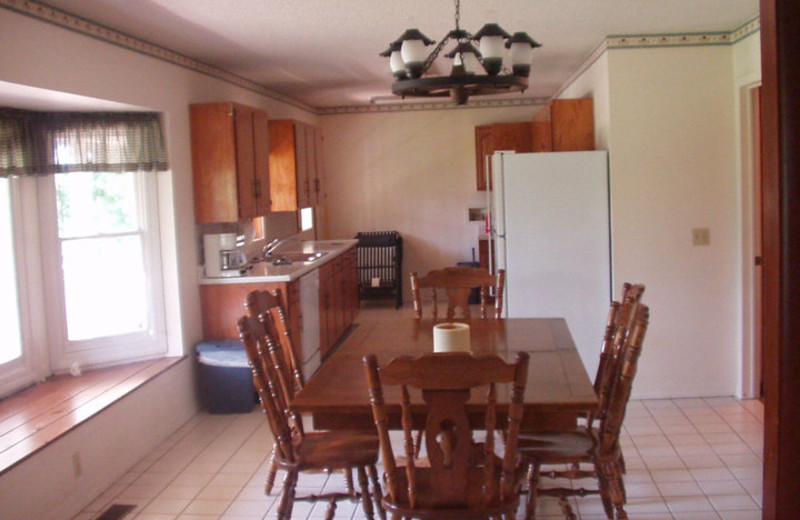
{"points": [[521, 53], [413, 52], [491, 39]]}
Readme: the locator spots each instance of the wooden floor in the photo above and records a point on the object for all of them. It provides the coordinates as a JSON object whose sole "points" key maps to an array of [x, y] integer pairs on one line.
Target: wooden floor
{"points": [[35, 417]]}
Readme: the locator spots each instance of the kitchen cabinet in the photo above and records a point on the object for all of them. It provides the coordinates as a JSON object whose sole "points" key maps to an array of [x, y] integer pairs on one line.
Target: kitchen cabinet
{"points": [[295, 164], [338, 285], [336, 302], [564, 125], [499, 136], [223, 304], [230, 162], [483, 254]]}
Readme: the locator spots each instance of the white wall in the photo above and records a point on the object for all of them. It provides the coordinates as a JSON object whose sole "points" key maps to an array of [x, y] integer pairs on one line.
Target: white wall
{"points": [[413, 172], [43, 55], [44, 487], [672, 157]]}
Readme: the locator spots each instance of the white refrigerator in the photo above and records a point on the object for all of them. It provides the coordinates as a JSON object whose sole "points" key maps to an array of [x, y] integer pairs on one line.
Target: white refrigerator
{"points": [[550, 231]]}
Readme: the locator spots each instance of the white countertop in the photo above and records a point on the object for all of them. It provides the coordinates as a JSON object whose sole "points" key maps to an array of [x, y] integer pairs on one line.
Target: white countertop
{"points": [[267, 272]]}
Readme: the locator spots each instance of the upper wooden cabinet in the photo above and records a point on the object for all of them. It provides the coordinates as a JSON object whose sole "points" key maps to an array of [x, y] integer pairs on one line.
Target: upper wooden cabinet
{"points": [[295, 164], [564, 125], [230, 161], [499, 136]]}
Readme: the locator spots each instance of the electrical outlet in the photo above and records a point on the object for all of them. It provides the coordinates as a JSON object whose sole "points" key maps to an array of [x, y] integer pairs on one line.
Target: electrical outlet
{"points": [[701, 236], [77, 470]]}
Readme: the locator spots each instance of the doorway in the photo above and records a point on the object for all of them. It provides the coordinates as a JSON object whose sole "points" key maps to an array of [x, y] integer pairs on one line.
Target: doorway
{"points": [[752, 318]]}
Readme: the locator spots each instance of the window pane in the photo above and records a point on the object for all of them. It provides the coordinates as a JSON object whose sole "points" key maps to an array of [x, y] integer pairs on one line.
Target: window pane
{"points": [[96, 203], [104, 286], [11, 345]]}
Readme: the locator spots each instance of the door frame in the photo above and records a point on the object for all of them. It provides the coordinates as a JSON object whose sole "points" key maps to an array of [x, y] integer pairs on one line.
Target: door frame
{"points": [[780, 164], [751, 359]]}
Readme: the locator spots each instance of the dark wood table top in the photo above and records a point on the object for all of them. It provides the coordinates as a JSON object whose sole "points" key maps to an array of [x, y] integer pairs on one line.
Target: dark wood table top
{"points": [[558, 386]]}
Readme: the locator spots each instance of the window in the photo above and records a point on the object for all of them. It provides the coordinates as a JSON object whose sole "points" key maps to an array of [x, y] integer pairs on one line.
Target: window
{"points": [[11, 346], [79, 250]]}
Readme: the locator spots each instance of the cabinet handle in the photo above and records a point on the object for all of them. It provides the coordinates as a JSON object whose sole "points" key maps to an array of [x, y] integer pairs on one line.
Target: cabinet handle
{"points": [[316, 186], [257, 188]]}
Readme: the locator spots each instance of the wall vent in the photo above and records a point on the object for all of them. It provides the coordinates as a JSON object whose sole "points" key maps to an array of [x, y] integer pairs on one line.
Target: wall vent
{"points": [[116, 512]]}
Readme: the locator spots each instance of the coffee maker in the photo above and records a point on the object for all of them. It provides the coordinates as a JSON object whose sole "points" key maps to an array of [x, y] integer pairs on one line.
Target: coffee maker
{"points": [[223, 258]]}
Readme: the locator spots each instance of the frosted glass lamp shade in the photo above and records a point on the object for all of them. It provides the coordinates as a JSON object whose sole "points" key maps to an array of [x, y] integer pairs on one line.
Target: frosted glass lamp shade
{"points": [[397, 65]]}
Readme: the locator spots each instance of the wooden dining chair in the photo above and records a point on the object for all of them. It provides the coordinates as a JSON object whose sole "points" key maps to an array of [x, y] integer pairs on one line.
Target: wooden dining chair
{"points": [[458, 283], [597, 447], [618, 320], [298, 451], [266, 307], [461, 477]]}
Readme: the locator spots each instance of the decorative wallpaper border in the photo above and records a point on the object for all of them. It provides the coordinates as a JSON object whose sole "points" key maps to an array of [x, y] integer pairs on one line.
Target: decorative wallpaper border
{"points": [[404, 106], [86, 27]]}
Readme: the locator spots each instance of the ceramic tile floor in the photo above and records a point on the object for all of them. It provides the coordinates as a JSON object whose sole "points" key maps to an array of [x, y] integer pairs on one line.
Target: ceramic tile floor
{"points": [[687, 459]]}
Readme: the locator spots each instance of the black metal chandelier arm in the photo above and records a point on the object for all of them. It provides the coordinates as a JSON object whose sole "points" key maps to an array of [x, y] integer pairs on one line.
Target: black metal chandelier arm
{"points": [[434, 54]]}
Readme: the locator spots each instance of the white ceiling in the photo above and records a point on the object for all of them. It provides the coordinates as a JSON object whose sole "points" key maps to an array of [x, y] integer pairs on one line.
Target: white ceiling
{"points": [[325, 52]]}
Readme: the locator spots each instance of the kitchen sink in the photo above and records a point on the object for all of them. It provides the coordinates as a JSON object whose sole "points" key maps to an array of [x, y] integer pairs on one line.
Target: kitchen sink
{"points": [[290, 258]]}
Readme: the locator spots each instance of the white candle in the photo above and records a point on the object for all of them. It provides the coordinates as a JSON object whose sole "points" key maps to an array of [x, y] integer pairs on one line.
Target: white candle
{"points": [[451, 337]]}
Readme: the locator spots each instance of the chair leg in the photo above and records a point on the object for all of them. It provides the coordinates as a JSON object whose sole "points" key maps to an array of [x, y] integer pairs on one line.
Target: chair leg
{"points": [[271, 472], [566, 508], [287, 498], [330, 511], [348, 481], [377, 493], [533, 486], [612, 489], [366, 498]]}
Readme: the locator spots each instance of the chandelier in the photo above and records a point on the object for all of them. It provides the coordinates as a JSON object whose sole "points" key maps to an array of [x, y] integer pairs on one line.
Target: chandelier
{"points": [[475, 72]]}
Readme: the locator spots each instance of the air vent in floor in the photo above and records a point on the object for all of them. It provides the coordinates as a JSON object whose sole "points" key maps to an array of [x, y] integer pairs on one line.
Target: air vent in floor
{"points": [[116, 512]]}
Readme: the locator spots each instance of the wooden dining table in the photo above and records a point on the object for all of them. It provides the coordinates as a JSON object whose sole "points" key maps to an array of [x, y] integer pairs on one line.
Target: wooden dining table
{"points": [[558, 387]]}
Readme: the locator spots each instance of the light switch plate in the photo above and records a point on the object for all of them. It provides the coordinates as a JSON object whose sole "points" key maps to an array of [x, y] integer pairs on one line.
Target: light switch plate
{"points": [[701, 236]]}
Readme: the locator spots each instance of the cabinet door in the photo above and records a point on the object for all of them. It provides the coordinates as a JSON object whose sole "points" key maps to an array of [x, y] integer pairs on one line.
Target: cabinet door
{"points": [[543, 130], [283, 165], [564, 125], [484, 146], [302, 158], [213, 140], [350, 274], [245, 162], [326, 313], [261, 159], [500, 136], [319, 169], [573, 125]]}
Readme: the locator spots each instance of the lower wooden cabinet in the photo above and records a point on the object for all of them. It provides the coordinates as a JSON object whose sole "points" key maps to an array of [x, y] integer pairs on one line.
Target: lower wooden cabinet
{"points": [[338, 298], [223, 304]]}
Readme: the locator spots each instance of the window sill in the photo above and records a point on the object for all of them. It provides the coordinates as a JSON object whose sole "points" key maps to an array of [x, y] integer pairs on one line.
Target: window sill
{"points": [[37, 416]]}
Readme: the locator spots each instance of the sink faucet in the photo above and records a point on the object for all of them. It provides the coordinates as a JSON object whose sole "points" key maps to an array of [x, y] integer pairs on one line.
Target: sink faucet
{"points": [[270, 248]]}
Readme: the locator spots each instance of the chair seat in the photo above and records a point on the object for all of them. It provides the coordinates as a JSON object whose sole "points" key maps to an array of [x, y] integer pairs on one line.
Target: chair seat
{"points": [[558, 446], [429, 505], [337, 449]]}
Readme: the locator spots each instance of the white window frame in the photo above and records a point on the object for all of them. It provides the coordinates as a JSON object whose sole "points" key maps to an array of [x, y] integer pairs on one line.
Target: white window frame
{"points": [[46, 348], [112, 349], [34, 364]]}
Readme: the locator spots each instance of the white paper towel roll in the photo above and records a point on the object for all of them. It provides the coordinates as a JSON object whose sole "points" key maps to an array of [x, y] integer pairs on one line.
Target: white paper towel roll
{"points": [[451, 337]]}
